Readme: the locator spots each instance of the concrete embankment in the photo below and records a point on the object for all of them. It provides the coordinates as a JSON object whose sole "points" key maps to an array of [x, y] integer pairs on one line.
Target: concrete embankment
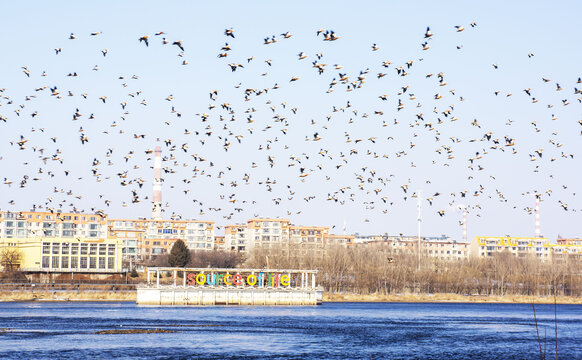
{"points": [[23, 296]]}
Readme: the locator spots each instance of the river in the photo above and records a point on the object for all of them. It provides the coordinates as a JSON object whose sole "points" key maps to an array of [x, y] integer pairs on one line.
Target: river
{"points": [[45, 330]]}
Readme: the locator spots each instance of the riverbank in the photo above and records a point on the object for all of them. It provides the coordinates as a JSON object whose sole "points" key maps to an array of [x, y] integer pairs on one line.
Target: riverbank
{"points": [[23, 296], [453, 298]]}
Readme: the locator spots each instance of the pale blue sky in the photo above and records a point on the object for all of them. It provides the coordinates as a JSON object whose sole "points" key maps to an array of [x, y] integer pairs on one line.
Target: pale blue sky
{"points": [[505, 34]]}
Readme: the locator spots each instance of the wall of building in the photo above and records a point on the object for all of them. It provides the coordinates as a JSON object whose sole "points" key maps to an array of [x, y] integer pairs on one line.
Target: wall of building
{"points": [[66, 254]]}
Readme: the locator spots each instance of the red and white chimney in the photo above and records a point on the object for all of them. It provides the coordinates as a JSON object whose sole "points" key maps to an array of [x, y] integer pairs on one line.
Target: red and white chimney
{"points": [[157, 200]]}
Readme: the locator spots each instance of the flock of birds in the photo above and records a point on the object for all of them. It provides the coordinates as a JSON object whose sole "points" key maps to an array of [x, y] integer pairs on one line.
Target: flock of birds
{"points": [[289, 152]]}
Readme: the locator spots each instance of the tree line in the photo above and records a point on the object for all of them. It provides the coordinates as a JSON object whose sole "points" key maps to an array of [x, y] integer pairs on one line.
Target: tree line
{"points": [[367, 270], [372, 270]]}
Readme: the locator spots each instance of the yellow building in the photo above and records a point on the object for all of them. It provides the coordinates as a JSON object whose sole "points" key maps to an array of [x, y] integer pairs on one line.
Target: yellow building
{"points": [[60, 254], [488, 246], [59, 242]]}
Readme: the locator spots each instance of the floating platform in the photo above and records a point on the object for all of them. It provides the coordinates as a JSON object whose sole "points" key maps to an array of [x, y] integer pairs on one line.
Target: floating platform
{"points": [[198, 287]]}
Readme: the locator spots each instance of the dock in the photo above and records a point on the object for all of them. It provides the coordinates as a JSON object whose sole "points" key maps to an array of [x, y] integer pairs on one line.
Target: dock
{"points": [[215, 286]]}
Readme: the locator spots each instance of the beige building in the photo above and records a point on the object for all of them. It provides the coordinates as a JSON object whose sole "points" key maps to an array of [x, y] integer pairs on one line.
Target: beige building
{"points": [[268, 232], [441, 247], [144, 238], [567, 248]]}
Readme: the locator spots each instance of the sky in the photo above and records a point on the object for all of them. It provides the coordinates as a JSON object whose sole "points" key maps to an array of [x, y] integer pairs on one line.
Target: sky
{"points": [[316, 150]]}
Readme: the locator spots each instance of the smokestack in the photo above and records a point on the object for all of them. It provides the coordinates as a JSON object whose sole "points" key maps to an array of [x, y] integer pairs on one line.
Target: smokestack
{"points": [[538, 231], [157, 200]]}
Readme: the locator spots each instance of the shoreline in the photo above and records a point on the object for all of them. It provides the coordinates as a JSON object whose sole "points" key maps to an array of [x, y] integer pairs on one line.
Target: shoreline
{"points": [[451, 298], [130, 296]]}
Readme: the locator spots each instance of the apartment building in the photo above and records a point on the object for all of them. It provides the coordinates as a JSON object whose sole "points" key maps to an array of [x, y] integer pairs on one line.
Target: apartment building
{"points": [[488, 246], [236, 237], [268, 232], [29, 224], [144, 238], [440, 247], [219, 242], [444, 248], [339, 240]]}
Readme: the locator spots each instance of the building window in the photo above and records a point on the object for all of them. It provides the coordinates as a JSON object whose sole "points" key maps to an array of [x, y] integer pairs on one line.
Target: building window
{"points": [[111, 263], [65, 262], [84, 249], [65, 249], [92, 263], [67, 233], [111, 249], [45, 261], [93, 249], [55, 262], [83, 262], [74, 262], [56, 248], [102, 249], [93, 234], [46, 248], [102, 262], [74, 249]]}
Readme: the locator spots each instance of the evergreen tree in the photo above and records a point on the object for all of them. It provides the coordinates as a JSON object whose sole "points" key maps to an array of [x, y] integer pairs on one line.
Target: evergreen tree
{"points": [[179, 255], [133, 273]]}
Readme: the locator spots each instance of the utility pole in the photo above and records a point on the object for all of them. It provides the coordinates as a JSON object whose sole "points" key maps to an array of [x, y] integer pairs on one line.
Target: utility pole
{"points": [[418, 202], [537, 209]]}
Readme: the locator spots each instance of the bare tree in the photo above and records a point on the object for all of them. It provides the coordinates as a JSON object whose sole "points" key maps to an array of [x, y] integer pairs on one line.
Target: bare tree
{"points": [[10, 259], [367, 270]]}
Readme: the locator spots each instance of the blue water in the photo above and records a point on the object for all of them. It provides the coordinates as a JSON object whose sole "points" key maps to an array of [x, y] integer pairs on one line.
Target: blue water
{"points": [[330, 331]]}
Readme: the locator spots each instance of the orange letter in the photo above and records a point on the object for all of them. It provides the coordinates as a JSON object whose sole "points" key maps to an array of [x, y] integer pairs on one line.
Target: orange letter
{"points": [[191, 279], [237, 279]]}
